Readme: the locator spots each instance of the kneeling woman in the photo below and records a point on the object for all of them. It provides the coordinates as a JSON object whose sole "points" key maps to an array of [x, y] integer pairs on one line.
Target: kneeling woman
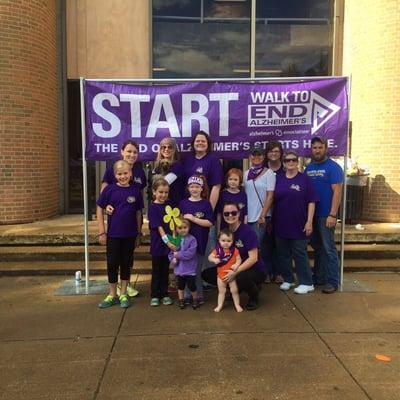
{"points": [[251, 271]]}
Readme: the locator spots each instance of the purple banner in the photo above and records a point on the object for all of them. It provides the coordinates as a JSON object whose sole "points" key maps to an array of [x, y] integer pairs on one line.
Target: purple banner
{"points": [[236, 115]]}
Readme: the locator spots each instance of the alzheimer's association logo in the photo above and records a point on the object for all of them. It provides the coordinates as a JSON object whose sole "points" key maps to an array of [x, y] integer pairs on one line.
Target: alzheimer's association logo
{"points": [[290, 108]]}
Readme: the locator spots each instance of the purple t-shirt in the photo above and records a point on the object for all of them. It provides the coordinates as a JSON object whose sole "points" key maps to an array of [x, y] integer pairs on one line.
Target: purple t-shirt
{"points": [[227, 197], [291, 199], [139, 177], [246, 239], [155, 215], [126, 202], [209, 166], [177, 188], [200, 209]]}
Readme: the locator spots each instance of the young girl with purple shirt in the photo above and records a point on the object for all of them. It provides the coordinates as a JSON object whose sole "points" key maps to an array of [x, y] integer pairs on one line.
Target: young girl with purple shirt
{"points": [[197, 209], [185, 263], [123, 227], [159, 244], [233, 193]]}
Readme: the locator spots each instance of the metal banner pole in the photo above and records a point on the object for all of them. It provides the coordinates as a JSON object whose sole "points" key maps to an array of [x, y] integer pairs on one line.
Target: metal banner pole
{"points": [[342, 230], [85, 187]]}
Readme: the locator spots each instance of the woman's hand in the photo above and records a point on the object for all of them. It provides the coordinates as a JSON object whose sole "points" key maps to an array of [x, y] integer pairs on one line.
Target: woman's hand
{"points": [[102, 239], [230, 276], [308, 228], [261, 220], [109, 209]]}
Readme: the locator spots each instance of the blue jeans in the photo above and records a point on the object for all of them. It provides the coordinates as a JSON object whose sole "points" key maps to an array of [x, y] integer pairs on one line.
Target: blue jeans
{"points": [[296, 249], [261, 232], [326, 260]]}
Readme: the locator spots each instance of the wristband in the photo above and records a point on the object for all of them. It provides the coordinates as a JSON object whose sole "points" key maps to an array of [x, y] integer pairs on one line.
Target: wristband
{"points": [[165, 239], [332, 216], [101, 234]]}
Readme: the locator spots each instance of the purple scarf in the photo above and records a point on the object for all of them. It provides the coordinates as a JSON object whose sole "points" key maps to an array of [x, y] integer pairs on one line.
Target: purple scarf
{"points": [[254, 171], [222, 255]]}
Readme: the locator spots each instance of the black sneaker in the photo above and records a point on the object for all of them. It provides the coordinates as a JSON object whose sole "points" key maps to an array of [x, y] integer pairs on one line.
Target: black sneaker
{"points": [[181, 304], [251, 305], [329, 289], [195, 304]]}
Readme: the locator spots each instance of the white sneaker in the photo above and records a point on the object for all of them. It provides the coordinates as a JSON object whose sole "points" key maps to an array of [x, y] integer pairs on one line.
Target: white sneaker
{"points": [[304, 289], [286, 286]]}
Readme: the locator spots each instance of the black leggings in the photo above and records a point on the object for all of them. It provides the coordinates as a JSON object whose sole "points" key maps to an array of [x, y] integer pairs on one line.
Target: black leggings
{"points": [[159, 276], [190, 280], [247, 281], [120, 257]]}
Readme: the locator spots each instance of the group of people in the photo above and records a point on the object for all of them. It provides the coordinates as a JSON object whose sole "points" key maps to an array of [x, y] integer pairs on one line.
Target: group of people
{"points": [[236, 231]]}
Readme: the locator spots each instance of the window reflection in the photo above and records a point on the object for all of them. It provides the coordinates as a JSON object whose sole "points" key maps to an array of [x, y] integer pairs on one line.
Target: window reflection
{"points": [[200, 39], [294, 38]]}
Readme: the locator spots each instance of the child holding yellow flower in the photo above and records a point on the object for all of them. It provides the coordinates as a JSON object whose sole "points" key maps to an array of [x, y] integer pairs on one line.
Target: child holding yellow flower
{"points": [[160, 245]]}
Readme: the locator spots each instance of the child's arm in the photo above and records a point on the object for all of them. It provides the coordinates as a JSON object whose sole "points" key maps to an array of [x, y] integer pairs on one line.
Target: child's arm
{"points": [[164, 237], [189, 252], [237, 263], [100, 224], [213, 258], [205, 223]]}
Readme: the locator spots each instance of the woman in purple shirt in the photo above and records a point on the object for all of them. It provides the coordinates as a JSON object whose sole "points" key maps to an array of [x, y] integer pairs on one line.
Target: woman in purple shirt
{"points": [[130, 154], [202, 162], [294, 205], [169, 166], [251, 272]]}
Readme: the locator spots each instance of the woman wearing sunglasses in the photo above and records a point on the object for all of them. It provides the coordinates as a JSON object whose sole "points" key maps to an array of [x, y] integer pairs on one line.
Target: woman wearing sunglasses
{"points": [[168, 166], [251, 272], [294, 206]]}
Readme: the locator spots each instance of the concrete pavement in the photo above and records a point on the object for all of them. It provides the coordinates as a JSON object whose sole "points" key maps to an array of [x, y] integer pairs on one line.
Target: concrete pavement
{"points": [[293, 347]]}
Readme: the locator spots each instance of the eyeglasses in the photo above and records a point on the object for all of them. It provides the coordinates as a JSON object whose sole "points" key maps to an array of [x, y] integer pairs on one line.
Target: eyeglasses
{"points": [[291, 160], [167, 146], [231, 213], [274, 152]]}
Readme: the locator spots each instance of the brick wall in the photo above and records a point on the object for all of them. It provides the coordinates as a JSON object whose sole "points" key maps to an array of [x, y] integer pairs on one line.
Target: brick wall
{"points": [[29, 186], [371, 53]]}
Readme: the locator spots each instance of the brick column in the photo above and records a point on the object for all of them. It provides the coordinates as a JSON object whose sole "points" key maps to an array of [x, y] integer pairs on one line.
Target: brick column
{"points": [[29, 170], [371, 54]]}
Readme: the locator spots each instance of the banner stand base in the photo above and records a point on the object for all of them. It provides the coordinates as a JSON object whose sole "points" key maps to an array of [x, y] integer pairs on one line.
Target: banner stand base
{"points": [[71, 287]]}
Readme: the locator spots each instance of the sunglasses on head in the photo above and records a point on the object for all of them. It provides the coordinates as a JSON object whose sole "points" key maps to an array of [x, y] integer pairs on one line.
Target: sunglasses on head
{"points": [[291, 159], [231, 213]]}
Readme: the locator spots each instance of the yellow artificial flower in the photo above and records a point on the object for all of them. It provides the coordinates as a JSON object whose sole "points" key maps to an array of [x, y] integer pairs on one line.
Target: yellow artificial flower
{"points": [[172, 217]]}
